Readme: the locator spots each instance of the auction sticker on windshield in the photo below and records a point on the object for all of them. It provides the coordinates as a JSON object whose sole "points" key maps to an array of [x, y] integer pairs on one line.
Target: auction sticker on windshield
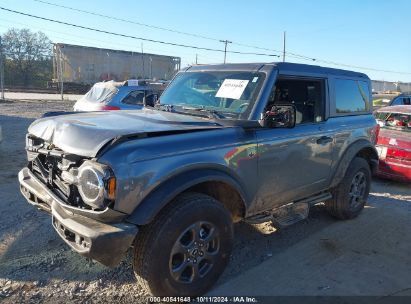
{"points": [[232, 88]]}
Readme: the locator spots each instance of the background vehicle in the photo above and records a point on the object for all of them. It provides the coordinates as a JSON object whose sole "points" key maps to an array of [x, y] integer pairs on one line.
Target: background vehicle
{"points": [[394, 142], [128, 95], [254, 142], [401, 100]]}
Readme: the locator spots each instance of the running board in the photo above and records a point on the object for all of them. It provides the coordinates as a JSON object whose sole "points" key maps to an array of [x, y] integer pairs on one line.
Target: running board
{"points": [[316, 199], [291, 213]]}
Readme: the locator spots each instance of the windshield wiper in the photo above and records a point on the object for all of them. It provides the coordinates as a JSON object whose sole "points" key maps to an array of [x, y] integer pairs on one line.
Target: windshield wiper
{"points": [[210, 113], [179, 110]]}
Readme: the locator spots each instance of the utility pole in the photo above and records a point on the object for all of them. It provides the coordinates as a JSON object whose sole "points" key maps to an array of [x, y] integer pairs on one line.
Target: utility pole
{"points": [[142, 60], [225, 48], [108, 66], [61, 73], [151, 68], [1, 71], [284, 46]]}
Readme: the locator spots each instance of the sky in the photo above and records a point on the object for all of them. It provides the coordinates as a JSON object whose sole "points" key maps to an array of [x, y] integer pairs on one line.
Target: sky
{"points": [[370, 36]]}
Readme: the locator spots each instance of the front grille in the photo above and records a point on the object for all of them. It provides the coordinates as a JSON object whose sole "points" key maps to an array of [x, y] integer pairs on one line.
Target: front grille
{"points": [[48, 165], [47, 168]]}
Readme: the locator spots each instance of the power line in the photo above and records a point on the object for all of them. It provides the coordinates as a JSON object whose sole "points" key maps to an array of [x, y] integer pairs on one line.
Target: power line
{"points": [[127, 20], [353, 66], [290, 54], [153, 26], [97, 43], [243, 53], [134, 37], [89, 41], [83, 38]]}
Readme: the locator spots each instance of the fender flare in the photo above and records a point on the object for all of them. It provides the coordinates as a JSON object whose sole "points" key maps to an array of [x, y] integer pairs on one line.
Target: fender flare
{"points": [[158, 198], [349, 154]]}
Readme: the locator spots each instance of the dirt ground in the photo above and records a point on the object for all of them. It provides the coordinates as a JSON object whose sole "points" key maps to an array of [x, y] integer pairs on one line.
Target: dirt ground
{"points": [[37, 266]]}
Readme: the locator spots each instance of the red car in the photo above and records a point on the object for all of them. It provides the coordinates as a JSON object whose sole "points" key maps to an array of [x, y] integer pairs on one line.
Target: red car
{"points": [[394, 142]]}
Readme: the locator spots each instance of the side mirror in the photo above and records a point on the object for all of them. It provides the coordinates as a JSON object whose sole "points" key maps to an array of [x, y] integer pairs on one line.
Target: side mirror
{"points": [[280, 116]]}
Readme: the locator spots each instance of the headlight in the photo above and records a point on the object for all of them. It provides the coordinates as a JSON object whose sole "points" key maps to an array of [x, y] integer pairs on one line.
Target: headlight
{"points": [[96, 184]]}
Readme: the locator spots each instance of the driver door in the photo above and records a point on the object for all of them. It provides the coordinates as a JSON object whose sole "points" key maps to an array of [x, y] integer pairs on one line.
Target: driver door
{"points": [[295, 163]]}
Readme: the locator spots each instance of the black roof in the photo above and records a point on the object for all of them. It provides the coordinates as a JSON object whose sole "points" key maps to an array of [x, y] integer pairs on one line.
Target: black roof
{"points": [[291, 67]]}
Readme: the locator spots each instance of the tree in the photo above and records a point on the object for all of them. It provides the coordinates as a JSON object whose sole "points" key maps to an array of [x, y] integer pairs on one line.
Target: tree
{"points": [[27, 53]]}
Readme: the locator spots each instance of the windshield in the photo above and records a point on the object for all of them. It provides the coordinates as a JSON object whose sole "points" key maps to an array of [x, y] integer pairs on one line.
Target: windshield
{"points": [[231, 94], [101, 92], [396, 121]]}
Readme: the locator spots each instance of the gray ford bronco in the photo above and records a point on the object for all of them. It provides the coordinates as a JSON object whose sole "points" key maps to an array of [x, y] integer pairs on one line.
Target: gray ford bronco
{"points": [[226, 143]]}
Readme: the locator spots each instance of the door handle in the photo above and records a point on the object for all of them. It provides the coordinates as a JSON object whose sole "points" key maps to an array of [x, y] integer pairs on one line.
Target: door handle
{"points": [[324, 140]]}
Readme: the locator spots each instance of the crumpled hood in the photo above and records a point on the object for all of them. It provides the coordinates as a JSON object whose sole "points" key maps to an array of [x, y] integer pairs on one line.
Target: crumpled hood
{"points": [[86, 133]]}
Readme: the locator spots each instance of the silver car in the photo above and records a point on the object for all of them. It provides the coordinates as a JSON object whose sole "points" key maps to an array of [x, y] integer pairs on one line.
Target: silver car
{"points": [[110, 95]]}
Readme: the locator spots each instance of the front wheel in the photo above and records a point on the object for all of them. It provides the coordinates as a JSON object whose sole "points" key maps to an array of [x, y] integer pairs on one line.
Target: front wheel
{"points": [[186, 248], [350, 196]]}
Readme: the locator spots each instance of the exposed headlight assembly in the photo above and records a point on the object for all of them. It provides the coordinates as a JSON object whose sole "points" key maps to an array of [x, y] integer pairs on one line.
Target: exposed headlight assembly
{"points": [[96, 184]]}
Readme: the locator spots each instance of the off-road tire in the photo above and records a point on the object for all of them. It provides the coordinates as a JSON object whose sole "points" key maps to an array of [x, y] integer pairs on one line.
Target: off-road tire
{"points": [[153, 262], [342, 205]]}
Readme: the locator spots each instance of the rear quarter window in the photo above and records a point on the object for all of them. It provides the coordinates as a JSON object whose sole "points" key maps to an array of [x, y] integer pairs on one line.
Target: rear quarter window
{"points": [[351, 96], [396, 121], [134, 98]]}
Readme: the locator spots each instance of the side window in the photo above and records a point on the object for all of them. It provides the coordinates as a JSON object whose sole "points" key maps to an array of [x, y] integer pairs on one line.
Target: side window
{"points": [[351, 96], [134, 98], [406, 100], [307, 95], [397, 101]]}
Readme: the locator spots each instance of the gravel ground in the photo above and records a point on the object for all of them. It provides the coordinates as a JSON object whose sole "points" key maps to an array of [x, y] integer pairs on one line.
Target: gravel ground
{"points": [[37, 266]]}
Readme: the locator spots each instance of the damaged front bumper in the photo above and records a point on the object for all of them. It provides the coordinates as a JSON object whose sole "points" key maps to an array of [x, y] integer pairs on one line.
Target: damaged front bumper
{"points": [[103, 242]]}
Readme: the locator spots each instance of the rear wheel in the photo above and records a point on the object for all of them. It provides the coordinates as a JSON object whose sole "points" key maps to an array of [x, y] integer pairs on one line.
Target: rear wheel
{"points": [[350, 196], [186, 248]]}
